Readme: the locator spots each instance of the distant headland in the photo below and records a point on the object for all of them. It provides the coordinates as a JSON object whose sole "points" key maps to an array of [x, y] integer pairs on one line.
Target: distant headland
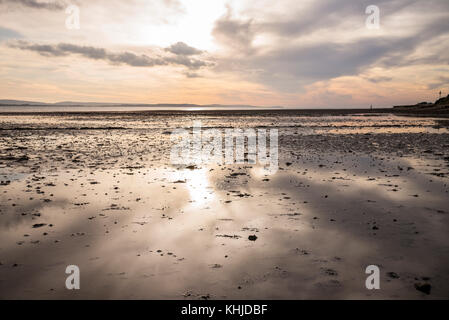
{"points": [[441, 104]]}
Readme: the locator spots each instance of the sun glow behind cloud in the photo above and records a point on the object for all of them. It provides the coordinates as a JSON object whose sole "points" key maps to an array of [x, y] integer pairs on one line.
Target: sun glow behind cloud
{"points": [[193, 25]]}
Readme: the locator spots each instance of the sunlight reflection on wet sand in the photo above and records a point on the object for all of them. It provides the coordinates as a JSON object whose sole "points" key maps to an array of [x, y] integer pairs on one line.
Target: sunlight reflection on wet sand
{"points": [[150, 230]]}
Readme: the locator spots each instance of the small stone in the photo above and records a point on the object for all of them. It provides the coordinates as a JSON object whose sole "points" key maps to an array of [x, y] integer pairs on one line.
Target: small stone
{"points": [[393, 275], [252, 237], [423, 287]]}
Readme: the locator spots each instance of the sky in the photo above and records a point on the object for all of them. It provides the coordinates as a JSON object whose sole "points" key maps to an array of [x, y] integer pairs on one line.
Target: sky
{"points": [[309, 53]]}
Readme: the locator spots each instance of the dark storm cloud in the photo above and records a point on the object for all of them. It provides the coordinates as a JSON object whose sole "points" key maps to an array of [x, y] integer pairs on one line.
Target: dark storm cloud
{"points": [[127, 58], [48, 5], [289, 65], [180, 48]]}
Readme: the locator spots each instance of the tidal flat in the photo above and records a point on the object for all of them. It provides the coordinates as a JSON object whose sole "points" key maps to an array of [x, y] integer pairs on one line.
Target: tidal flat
{"points": [[97, 190]]}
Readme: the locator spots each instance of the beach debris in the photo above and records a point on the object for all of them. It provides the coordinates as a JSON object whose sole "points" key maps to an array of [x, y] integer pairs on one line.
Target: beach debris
{"points": [[252, 237], [302, 251], [393, 275], [423, 287], [39, 225], [330, 272], [228, 236]]}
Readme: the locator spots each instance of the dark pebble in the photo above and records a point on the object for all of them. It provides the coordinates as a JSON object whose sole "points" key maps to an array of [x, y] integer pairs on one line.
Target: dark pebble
{"points": [[252, 237]]}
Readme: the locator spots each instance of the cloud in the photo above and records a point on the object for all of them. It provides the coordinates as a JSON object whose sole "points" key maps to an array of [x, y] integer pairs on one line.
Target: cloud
{"points": [[185, 61], [278, 49], [234, 33], [293, 67], [293, 57], [379, 79], [192, 75], [180, 48], [6, 33], [439, 83], [324, 14], [48, 5], [127, 58]]}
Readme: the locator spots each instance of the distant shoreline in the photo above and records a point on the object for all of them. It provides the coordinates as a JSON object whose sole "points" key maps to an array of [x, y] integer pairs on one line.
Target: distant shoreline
{"points": [[236, 112], [439, 108]]}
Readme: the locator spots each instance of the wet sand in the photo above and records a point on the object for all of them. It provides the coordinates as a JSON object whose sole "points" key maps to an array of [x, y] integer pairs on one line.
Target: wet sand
{"points": [[97, 190]]}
